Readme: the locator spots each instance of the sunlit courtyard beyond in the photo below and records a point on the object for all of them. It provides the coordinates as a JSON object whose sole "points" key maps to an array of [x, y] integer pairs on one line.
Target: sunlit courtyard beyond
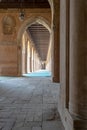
{"points": [[39, 73]]}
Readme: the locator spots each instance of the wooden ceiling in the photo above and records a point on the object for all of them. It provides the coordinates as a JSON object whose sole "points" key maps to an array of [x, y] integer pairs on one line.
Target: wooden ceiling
{"points": [[40, 37], [24, 4]]}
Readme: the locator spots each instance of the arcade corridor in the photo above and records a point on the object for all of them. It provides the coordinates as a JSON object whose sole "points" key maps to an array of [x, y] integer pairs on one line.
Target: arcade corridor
{"points": [[48, 35]]}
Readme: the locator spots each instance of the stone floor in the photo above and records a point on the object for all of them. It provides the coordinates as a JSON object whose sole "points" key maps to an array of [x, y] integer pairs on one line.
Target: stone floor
{"points": [[29, 104]]}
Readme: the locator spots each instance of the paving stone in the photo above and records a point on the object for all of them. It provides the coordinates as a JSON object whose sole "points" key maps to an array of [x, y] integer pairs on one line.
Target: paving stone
{"points": [[52, 125], [38, 116], [9, 125], [19, 124], [33, 124], [36, 128], [22, 128], [47, 99], [50, 114], [21, 117], [30, 116], [1, 126]]}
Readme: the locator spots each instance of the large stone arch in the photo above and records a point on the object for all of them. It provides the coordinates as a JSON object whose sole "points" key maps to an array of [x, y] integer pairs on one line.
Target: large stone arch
{"points": [[31, 21], [22, 29]]}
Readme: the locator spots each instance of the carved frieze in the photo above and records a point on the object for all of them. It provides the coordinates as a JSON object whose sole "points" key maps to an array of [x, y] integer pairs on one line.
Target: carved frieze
{"points": [[8, 24]]}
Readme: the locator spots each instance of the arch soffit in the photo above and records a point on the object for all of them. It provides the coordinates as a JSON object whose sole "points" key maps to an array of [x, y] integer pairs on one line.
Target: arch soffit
{"points": [[31, 21]]}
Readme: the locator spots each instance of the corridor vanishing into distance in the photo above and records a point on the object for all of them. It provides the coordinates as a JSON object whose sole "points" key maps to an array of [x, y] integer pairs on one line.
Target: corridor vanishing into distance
{"points": [[29, 103]]}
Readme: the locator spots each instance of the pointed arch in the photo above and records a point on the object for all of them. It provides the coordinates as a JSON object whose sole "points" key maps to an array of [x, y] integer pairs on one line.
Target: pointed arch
{"points": [[31, 21], [25, 25]]}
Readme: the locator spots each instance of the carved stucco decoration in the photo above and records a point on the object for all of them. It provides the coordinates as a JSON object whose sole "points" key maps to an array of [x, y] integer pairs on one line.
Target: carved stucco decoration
{"points": [[9, 25]]}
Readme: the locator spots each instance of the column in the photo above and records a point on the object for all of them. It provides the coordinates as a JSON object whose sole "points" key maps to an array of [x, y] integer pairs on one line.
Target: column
{"points": [[56, 40], [26, 46], [34, 59], [30, 58], [78, 59]]}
